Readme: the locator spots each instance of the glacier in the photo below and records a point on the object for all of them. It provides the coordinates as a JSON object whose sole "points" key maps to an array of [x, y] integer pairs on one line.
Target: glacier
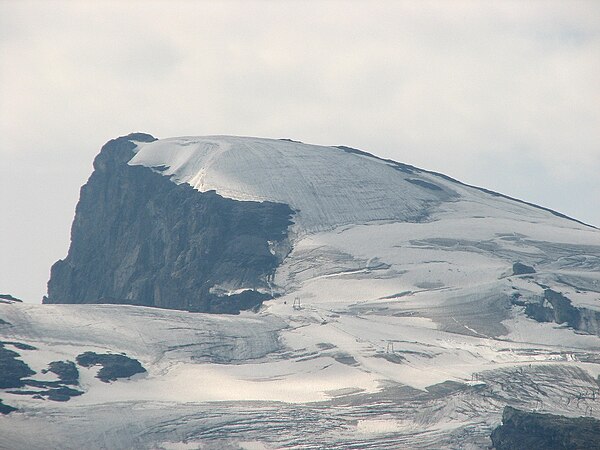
{"points": [[398, 320]]}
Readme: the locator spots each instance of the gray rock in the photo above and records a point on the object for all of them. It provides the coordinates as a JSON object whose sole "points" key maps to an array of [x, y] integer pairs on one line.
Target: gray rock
{"points": [[555, 307], [6, 409], [9, 298], [12, 369], [521, 430], [522, 269], [140, 239], [113, 366], [65, 370]]}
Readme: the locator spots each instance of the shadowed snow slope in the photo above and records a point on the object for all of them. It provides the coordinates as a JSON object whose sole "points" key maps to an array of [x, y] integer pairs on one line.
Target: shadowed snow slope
{"points": [[400, 319]]}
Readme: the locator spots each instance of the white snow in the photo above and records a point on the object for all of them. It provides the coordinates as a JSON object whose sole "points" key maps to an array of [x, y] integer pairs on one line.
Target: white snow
{"points": [[383, 302], [327, 186]]}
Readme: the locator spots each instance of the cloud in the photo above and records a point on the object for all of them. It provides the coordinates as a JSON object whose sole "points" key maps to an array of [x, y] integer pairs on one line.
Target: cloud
{"points": [[500, 94]]}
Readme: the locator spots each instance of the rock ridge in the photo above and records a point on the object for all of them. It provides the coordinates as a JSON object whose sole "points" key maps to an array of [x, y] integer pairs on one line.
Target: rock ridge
{"points": [[138, 238]]}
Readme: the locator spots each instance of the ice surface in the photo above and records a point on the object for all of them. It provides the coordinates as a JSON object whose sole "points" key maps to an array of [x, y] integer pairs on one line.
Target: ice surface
{"points": [[405, 335]]}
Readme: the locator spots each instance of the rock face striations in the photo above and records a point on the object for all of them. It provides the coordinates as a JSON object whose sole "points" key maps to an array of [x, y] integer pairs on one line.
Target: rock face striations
{"points": [[140, 239], [521, 430]]}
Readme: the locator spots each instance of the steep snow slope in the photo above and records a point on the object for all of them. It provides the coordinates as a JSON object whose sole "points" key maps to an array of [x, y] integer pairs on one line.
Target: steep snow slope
{"points": [[401, 322], [326, 185]]}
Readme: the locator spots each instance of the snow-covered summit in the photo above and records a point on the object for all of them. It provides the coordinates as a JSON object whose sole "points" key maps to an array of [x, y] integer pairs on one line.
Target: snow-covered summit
{"points": [[328, 186]]}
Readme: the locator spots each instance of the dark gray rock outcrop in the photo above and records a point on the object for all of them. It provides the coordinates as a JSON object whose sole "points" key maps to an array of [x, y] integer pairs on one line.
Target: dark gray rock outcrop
{"points": [[521, 430], [522, 269], [65, 370], [138, 238], [9, 298], [48, 390], [555, 307], [12, 369], [6, 409], [113, 366], [14, 375]]}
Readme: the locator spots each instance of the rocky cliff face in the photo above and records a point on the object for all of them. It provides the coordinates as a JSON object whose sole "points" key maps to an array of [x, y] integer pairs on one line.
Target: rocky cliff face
{"points": [[521, 430], [553, 306], [139, 238]]}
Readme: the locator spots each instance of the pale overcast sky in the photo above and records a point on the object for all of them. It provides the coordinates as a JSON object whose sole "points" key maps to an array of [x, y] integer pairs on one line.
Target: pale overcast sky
{"points": [[504, 95]]}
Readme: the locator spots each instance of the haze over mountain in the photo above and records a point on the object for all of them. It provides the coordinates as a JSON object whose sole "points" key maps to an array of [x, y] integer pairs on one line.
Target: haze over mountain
{"points": [[376, 305]]}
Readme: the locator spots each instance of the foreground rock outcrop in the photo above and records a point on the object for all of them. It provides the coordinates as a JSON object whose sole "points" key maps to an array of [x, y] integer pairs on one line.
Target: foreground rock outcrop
{"points": [[521, 430]]}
